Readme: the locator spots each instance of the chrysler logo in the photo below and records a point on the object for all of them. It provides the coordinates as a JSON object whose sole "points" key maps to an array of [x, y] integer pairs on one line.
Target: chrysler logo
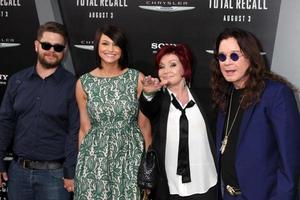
{"points": [[7, 45], [167, 8]]}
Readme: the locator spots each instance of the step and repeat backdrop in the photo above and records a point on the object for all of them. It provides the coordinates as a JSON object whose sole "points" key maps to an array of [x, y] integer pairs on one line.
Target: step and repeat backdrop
{"points": [[18, 25], [152, 24], [149, 24]]}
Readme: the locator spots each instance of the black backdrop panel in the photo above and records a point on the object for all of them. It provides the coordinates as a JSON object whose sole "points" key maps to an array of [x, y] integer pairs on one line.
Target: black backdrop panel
{"points": [[18, 26], [151, 24], [148, 24]]}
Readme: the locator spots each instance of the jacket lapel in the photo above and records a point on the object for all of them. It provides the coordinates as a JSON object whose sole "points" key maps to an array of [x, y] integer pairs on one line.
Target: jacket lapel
{"points": [[166, 99], [244, 123]]}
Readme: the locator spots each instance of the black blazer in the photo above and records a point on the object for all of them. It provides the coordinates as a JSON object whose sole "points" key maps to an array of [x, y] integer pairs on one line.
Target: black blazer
{"points": [[157, 110]]}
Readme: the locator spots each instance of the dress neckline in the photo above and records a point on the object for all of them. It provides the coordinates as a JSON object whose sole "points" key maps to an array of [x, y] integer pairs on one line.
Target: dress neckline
{"points": [[110, 77]]}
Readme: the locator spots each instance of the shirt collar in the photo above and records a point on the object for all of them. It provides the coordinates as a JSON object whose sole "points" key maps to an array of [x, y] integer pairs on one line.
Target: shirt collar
{"points": [[189, 93], [57, 75]]}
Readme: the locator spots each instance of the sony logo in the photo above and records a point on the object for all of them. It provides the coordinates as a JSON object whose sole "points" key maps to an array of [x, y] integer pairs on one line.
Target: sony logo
{"points": [[156, 46]]}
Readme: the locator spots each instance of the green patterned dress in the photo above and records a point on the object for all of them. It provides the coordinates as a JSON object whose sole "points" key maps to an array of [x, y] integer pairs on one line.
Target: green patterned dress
{"points": [[110, 154]]}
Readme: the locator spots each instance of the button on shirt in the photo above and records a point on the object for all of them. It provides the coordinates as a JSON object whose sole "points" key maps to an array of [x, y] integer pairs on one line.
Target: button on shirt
{"points": [[41, 117]]}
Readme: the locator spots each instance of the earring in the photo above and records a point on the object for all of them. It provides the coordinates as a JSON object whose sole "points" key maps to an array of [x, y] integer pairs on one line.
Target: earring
{"points": [[188, 84]]}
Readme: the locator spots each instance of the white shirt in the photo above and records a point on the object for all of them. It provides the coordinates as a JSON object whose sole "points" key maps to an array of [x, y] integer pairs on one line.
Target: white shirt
{"points": [[202, 166]]}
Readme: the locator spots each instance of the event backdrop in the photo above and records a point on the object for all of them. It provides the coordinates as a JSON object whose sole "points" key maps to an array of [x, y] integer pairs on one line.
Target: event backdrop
{"points": [[152, 24], [149, 24], [18, 25]]}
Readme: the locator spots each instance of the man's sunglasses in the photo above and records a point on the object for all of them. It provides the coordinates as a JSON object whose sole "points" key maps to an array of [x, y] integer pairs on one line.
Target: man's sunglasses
{"points": [[233, 56], [57, 47]]}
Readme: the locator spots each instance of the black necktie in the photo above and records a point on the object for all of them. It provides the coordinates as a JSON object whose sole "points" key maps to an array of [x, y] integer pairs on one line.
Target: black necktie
{"points": [[183, 164]]}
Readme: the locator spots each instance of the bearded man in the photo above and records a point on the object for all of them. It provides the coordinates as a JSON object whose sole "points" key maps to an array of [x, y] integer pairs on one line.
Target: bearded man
{"points": [[39, 118]]}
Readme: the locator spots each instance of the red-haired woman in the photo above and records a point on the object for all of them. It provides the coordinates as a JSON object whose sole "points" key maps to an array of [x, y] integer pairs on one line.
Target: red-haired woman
{"points": [[181, 128]]}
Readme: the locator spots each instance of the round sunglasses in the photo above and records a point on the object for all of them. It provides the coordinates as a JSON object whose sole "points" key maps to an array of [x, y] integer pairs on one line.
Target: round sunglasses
{"points": [[57, 47], [233, 56]]}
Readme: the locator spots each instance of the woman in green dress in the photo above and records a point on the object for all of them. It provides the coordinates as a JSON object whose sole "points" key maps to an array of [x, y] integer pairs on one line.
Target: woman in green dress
{"points": [[112, 129]]}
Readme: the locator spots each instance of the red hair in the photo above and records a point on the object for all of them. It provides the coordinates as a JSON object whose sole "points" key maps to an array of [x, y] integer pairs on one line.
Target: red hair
{"points": [[184, 55]]}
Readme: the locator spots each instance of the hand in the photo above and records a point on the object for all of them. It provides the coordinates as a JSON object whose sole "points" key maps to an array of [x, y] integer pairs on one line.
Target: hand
{"points": [[3, 177], [69, 184], [151, 85], [146, 193]]}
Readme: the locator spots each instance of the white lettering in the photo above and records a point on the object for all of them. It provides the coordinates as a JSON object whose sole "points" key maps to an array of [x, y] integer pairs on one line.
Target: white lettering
{"points": [[3, 77], [166, 3], [10, 3], [7, 40], [101, 3], [3, 14], [102, 15], [238, 4], [87, 42], [159, 45], [236, 18], [228, 4]]}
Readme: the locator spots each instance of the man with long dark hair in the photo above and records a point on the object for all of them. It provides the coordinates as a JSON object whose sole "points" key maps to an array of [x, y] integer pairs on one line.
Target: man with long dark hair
{"points": [[258, 123]]}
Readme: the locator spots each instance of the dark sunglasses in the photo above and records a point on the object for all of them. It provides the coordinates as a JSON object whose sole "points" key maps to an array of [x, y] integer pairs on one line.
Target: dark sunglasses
{"points": [[57, 47], [233, 56]]}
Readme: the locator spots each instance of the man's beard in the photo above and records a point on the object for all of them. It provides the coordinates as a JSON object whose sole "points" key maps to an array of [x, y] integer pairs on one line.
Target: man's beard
{"points": [[46, 64]]}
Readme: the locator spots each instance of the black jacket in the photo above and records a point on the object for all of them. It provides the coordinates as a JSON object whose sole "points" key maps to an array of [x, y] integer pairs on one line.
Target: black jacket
{"points": [[157, 110]]}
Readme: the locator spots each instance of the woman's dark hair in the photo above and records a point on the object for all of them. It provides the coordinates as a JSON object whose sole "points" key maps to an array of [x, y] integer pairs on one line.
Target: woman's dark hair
{"points": [[257, 71], [184, 54], [118, 37]]}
